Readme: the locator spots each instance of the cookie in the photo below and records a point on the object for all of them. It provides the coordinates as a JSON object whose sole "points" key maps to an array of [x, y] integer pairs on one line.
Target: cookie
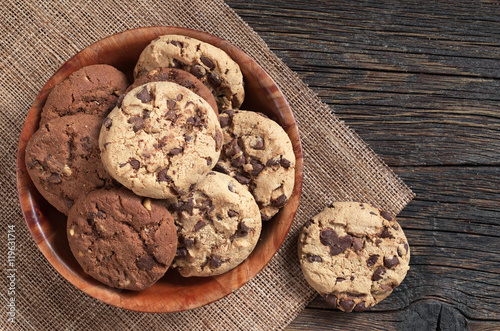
{"points": [[121, 239], [258, 153], [218, 226], [180, 77], [63, 159], [353, 254], [90, 90], [208, 63], [160, 140]]}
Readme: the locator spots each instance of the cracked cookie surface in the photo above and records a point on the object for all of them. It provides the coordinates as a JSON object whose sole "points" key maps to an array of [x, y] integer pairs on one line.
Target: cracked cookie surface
{"points": [[258, 153], [120, 239], [210, 64], [160, 140], [63, 159], [91, 90], [353, 254], [180, 77], [218, 226]]}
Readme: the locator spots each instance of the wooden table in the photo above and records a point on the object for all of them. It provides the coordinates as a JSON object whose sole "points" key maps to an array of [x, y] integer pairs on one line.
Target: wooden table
{"points": [[419, 81]]}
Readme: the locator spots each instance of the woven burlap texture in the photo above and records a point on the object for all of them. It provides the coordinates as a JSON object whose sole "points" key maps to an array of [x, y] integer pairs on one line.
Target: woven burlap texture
{"points": [[39, 36]]}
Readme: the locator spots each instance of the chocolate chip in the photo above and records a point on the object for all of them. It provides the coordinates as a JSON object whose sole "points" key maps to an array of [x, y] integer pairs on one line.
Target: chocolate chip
{"points": [[188, 206], [229, 112], [200, 224], [211, 173], [188, 242], [385, 233], [343, 243], [257, 167], [331, 300], [328, 237], [163, 177], [175, 151], [232, 213], [179, 97], [190, 120], [242, 231], [176, 206], [373, 213], [280, 201], [107, 123], [400, 251], [347, 305], [54, 179], [214, 79], [386, 215], [220, 168], [137, 123], [377, 275], [188, 138], [232, 148], [178, 64], [242, 179], [224, 121], [285, 163], [135, 164], [234, 100], [357, 244], [120, 101], [308, 223], [272, 162], [386, 288], [170, 115], [361, 306], [218, 140], [176, 43], [362, 206], [209, 161], [238, 162], [372, 260], [181, 252], [391, 262], [143, 95], [314, 258], [145, 262], [259, 144], [197, 71], [215, 261], [340, 279], [206, 61], [171, 103]]}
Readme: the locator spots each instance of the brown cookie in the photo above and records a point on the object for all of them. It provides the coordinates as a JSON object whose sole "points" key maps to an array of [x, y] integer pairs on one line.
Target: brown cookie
{"points": [[90, 90], [121, 239], [180, 77], [63, 159]]}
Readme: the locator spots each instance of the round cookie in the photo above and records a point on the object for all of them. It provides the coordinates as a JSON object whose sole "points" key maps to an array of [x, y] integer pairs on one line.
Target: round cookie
{"points": [[353, 254], [160, 140], [218, 226], [91, 90], [63, 159], [180, 77], [208, 63], [121, 239], [258, 153]]}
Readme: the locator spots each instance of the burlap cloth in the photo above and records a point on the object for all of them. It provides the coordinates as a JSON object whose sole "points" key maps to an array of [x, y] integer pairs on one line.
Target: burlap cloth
{"points": [[38, 36]]}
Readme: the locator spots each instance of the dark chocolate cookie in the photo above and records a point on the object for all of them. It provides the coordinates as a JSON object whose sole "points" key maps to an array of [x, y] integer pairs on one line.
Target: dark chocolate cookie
{"points": [[180, 77], [63, 159], [121, 239], [90, 90]]}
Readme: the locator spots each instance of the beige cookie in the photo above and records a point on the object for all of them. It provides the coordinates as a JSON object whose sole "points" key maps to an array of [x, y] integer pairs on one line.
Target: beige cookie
{"points": [[353, 254], [218, 226], [258, 153], [208, 63], [160, 140]]}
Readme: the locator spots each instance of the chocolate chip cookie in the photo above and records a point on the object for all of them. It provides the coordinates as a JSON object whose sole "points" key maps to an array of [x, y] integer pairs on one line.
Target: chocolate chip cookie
{"points": [[121, 239], [180, 77], [90, 90], [258, 153], [218, 226], [63, 159], [160, 140], [208, 63], [353, 254]]}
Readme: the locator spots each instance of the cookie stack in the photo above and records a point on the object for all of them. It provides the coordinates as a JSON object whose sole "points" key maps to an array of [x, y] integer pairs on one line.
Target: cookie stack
{"points": [[165, 172]]}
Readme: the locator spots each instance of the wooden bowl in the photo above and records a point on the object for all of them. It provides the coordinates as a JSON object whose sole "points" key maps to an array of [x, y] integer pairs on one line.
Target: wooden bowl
{"points": [[172, 293]]}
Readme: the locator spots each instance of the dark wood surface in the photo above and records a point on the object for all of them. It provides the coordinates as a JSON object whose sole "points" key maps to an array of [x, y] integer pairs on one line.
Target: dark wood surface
{"points": [[419, 81]]}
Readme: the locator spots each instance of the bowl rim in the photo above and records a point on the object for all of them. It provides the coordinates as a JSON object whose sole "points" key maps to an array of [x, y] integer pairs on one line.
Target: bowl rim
{"points": [[26, 189]]}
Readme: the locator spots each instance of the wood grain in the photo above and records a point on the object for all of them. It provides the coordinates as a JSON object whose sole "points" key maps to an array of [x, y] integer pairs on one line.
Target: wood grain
{"points": [[172, 293], [419, 82]]}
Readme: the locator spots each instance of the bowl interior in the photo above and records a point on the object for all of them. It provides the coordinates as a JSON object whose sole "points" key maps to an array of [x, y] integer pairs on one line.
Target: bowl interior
{"points": [[172, 293]]}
